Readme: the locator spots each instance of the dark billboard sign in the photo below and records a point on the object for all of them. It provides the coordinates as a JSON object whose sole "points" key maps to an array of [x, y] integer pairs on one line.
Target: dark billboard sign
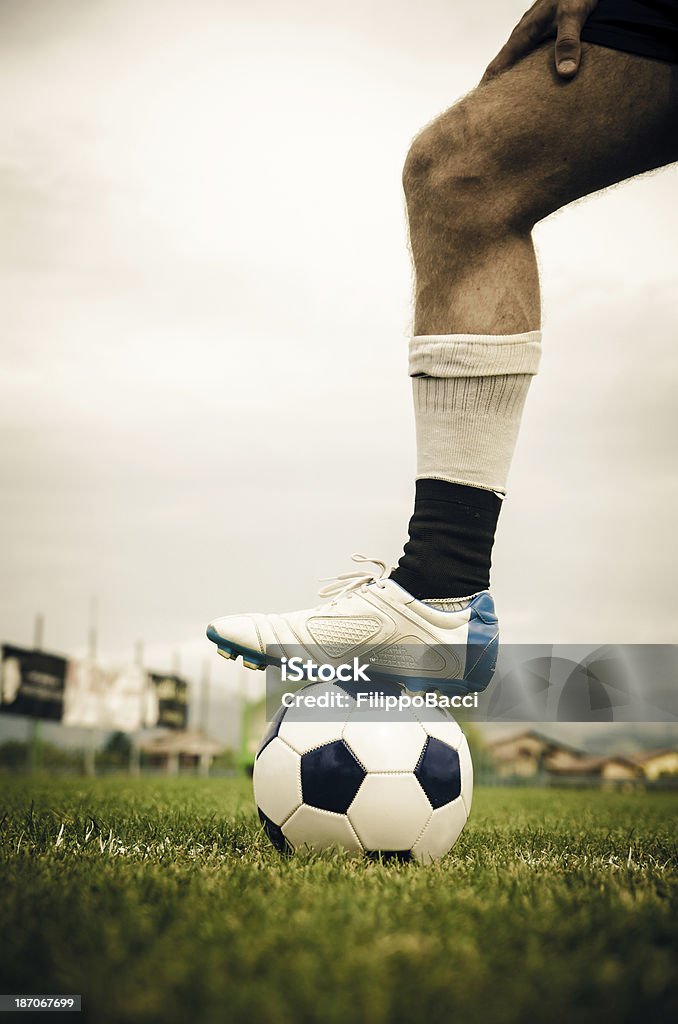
{"points": [[32, 683], [172, 694]]}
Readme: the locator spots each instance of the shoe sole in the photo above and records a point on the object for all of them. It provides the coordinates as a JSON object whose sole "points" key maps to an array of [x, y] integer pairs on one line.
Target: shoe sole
{"points": [[228, 649], [257, 661]]}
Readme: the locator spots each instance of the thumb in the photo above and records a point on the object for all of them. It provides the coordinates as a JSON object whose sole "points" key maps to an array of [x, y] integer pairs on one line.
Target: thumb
{"points": [[568, 46]]}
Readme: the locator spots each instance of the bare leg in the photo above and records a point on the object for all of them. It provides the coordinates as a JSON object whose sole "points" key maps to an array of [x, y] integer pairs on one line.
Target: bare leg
{"points": [[476, 180], [513, 151]]}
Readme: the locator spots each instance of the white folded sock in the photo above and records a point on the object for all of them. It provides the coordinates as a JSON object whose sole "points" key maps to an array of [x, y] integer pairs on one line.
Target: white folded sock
{"points": [[469, 393]]}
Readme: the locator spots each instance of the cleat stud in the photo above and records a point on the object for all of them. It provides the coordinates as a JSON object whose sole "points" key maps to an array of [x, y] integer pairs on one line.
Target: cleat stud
{"points": [[252, 664], [227, 654]]}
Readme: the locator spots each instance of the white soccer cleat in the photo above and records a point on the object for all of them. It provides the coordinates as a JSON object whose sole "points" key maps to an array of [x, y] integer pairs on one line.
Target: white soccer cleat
{"points": [[368, 615]]}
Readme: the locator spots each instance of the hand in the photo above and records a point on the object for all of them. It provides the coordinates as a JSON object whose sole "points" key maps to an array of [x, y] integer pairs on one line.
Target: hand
{"points": [[546, 18]]}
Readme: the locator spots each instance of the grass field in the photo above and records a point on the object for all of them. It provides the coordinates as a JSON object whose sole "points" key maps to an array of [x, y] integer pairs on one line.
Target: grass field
{"points": [[160, 900]]}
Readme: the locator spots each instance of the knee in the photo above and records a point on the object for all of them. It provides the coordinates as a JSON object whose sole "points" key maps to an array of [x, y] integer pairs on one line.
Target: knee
{"points": [[452, 173], [418, 169]]}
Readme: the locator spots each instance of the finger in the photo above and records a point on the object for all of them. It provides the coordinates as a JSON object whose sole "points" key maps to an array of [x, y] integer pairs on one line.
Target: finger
{"points": [[568, 45], [525, 36]]}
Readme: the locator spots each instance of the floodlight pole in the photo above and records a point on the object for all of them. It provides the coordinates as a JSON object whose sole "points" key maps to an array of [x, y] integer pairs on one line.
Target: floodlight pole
{"points": [[34, 723], [92, 638], [204, 696], [135, 750], [204, 761]]}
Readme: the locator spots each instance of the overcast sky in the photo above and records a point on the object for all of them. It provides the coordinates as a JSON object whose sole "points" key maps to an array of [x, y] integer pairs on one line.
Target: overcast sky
{"points": [[205, 284]]}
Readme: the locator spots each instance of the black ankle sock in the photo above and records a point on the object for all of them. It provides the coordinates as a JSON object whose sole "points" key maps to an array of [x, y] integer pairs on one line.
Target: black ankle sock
{"points": [[451, 536]]}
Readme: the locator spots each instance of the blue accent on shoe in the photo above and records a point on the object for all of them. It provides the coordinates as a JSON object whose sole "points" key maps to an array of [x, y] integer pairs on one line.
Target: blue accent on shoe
{"points": [[482, 645], [482, 651]]}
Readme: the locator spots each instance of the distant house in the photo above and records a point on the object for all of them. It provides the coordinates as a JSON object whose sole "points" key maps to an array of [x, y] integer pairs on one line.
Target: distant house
{"points": [[529, 754], [181, 748], [656, 764], [607, 769]]}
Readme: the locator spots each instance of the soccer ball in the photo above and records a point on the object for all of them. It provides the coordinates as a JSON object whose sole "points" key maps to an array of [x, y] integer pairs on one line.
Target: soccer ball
{"points": [[397, 784]]}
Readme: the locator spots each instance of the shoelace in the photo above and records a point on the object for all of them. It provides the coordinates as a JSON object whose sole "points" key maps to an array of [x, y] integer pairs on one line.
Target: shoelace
{"points": [[348, 582]]}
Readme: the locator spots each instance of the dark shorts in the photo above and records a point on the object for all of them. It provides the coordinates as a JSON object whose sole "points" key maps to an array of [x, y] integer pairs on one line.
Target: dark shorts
{"points": [[645, 27]]}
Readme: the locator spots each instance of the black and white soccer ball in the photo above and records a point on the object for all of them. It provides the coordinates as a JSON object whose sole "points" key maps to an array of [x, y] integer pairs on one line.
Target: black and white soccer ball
{"points": [[395, 784]]}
